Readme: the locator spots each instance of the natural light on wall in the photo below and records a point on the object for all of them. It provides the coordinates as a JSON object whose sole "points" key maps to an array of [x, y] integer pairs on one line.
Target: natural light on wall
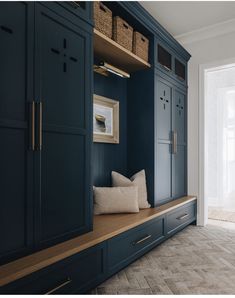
{"points": [[220, 138]]}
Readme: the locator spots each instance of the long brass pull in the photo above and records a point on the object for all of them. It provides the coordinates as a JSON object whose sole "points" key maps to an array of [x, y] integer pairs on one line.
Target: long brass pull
{"points": [[142, 240], [40, 125], [32, 132], [59, 287], [183, 216], [174, 142]]}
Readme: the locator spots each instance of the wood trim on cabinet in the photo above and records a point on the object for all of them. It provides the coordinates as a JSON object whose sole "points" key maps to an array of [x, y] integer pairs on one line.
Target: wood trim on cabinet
{"points": [[105, 227]]}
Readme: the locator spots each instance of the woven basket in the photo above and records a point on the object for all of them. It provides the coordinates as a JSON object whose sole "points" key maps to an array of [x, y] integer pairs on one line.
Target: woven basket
{"points": [[103, 18], [140, 46], [122, 33]]}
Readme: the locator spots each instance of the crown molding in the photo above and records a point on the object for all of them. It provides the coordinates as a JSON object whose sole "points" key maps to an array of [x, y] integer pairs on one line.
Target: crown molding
{"points": [[207, 32]]}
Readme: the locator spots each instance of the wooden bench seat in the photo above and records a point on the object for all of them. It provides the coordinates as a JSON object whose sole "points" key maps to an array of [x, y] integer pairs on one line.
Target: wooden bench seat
{"points": [[105, 227]]}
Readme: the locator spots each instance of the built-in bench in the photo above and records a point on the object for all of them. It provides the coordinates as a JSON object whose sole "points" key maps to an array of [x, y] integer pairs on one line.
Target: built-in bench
{"points": [[78, 265]]}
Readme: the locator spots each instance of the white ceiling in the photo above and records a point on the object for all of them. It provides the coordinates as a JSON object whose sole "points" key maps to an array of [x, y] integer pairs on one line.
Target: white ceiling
{"points": [[180, 17]]}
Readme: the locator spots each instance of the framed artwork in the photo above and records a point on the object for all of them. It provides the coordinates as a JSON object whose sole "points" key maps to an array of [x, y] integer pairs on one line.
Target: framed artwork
{"points": [[105, 120]]}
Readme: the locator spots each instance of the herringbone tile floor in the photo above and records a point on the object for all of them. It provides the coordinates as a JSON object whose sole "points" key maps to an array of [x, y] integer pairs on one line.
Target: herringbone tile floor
{"points": [[197, 260]]}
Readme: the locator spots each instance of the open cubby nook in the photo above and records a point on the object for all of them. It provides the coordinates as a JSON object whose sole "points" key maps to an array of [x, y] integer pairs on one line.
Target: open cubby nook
{"points": [[109, 157]]}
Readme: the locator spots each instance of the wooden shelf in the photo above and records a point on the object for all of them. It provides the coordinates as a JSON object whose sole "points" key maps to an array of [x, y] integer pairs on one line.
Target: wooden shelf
{"points": [[105, 227], [109, 51]]}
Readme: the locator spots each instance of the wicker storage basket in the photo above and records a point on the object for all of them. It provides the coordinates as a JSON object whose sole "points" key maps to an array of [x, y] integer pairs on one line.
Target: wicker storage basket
{"points": [[103, 18], [122, 33], [140, 46]]}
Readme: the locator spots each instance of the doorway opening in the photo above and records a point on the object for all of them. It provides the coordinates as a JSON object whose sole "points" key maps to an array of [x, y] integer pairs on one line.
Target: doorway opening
{"points": [[219, 141]]}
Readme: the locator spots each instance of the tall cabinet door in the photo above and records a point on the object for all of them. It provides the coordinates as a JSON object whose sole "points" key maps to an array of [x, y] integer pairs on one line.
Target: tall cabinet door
{"points": [[63, 72], [16, 196], [179, 153], [163, 136]]}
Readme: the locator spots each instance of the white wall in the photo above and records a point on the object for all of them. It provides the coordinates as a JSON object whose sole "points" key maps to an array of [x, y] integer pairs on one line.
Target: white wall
{"points": [[203, 52]]}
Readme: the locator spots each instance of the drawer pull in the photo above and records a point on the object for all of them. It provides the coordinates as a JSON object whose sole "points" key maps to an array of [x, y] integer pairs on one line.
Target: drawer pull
{"points": [[68, 281], [183, 216], [142, 240]]}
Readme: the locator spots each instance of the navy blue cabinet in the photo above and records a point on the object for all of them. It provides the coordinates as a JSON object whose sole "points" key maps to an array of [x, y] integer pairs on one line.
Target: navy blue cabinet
{"points": [[46, 139], [128, 246], [170, 142], [75, 274], [16, 159], [62, 68], [45, 127], [83, 271]]}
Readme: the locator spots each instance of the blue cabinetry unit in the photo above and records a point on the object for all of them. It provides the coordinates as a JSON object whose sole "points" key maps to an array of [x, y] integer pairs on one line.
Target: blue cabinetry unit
{"points": [[160, 94], [16, 159], [46, 156], [45, 126], [63, 68], [170, 142]]}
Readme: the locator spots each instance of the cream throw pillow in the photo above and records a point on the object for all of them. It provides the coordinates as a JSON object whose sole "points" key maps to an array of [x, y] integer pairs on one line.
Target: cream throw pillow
{"points": [[139, 180], [115, 200]]}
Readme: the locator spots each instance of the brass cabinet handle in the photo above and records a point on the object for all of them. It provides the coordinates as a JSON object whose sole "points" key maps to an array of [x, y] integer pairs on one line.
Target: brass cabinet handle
{"points": [[142, 240], [68, 281], [183, 216], [32, 129], [40, 125], [174, 142]]}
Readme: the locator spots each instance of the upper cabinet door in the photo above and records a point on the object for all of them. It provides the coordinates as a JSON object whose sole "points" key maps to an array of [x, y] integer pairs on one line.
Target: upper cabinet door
{"points": [[16, 173], [63, 74]]}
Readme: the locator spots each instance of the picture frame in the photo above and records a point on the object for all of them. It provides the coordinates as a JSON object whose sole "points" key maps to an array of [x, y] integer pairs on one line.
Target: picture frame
{"points": [[105, 120]]}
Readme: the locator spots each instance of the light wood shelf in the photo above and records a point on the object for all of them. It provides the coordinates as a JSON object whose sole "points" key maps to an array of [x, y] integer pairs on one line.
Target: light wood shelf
{"points": [[105, 227], [109, 51]]}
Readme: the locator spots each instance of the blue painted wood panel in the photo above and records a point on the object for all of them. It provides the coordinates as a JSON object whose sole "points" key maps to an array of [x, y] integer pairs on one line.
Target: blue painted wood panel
{"points": [[16, 160], [179, 160], [63, 72], [111, 157], [140, 127], [163, 157], [179, 116]]}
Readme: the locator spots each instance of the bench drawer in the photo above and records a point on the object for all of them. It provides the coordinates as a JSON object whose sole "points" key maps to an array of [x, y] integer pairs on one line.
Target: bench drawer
{"points": [[72, 275], [181, 216], [134, 242]]}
